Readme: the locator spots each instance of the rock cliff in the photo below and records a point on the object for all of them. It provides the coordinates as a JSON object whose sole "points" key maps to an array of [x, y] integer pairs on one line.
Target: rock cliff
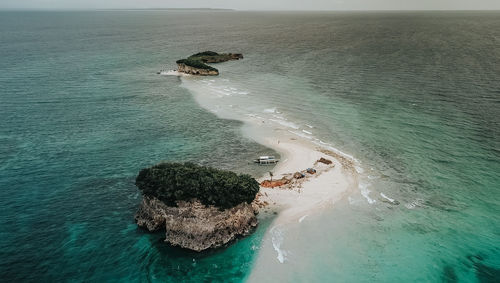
{"points": [[195, 226], [181, 67]]}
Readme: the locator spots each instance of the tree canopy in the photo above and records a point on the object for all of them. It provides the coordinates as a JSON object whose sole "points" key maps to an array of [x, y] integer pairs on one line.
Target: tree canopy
{"points": [[171, 182], [205, 53]]}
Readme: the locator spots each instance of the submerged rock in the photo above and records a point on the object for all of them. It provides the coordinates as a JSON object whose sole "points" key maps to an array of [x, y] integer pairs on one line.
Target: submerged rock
{"points": [[194, 226]]}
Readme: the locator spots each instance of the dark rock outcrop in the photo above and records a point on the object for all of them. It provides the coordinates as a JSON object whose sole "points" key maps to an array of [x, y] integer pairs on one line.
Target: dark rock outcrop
{"points": [[183, 68], [194, 226], [196, 63], [325, 161]]}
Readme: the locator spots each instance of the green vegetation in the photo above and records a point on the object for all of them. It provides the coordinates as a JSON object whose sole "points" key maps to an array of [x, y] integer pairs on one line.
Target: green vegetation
{"points": [[214, 57], [205, 53], [195, 64], [198, 60], [170, 182]]}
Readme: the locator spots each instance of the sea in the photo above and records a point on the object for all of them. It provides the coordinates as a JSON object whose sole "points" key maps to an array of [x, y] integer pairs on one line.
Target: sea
{"points": [[412, 97]]}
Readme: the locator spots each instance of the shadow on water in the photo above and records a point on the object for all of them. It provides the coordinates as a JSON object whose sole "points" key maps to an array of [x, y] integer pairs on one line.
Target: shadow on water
{"points": [[484, 273], [166, 262], [449, 275]]}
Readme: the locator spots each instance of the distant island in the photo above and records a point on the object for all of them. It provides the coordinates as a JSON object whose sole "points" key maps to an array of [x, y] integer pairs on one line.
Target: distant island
{"points": [[196, 64], [172, 9], [199, 207]]}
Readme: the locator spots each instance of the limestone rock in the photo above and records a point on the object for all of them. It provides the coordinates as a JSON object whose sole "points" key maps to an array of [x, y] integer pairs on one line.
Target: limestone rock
{"points": [[193, 226], [183, 68]]}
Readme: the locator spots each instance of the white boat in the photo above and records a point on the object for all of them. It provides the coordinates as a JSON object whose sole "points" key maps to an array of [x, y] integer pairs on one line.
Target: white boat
{"points": [[266, 160]]}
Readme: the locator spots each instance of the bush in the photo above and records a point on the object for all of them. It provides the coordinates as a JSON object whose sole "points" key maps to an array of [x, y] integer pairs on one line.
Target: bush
{"points": [[171, 182]]}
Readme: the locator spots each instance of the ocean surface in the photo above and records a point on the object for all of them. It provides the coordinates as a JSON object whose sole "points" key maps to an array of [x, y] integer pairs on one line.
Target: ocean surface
{"points": [[413, 97]]}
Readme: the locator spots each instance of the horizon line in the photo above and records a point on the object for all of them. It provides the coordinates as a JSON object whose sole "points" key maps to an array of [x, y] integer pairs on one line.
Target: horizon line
{"points": [[235, 10]]}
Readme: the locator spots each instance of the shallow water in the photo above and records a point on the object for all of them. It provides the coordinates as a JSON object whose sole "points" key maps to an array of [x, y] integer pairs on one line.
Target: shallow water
{"points": [[414, 97]]}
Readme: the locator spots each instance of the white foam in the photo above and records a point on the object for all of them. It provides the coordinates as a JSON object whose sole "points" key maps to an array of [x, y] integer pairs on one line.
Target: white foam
{"points": [[300, 134], [365, 192], [414, 204], [310, 126], [302, 218], [270, 110], [386, 197], [222, 92], [307, 132], [342, 153], [277, 239], [359, 169], [174, 73]]}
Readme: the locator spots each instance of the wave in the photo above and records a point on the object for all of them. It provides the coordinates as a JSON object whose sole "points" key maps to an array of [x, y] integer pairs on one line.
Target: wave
{"points": [[386, 197], [277, 240], [173, 73], [414, 204], [307, 132], [270, 110], [365, 192], [300, 135]]}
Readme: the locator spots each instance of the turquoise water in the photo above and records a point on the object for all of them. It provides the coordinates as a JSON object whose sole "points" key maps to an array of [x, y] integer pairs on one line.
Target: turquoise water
{"points": [[414, 97]]}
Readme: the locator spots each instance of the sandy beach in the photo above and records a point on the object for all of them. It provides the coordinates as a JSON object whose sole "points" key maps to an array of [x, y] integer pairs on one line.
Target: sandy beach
{"points": [[311, 193], [294, 203], [299, 150], [304, 197]]}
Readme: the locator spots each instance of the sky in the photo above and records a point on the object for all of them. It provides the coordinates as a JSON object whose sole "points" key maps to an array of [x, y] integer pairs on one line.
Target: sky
{"points": [[256, 4]]}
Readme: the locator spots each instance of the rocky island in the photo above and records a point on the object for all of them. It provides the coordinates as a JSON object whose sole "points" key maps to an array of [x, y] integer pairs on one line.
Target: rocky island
{"points": [[196, 63], [199, 207]]}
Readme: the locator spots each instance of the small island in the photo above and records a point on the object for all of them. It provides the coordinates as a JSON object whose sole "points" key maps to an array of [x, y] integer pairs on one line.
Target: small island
{"points": [[199, 207], [196, 64]]}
